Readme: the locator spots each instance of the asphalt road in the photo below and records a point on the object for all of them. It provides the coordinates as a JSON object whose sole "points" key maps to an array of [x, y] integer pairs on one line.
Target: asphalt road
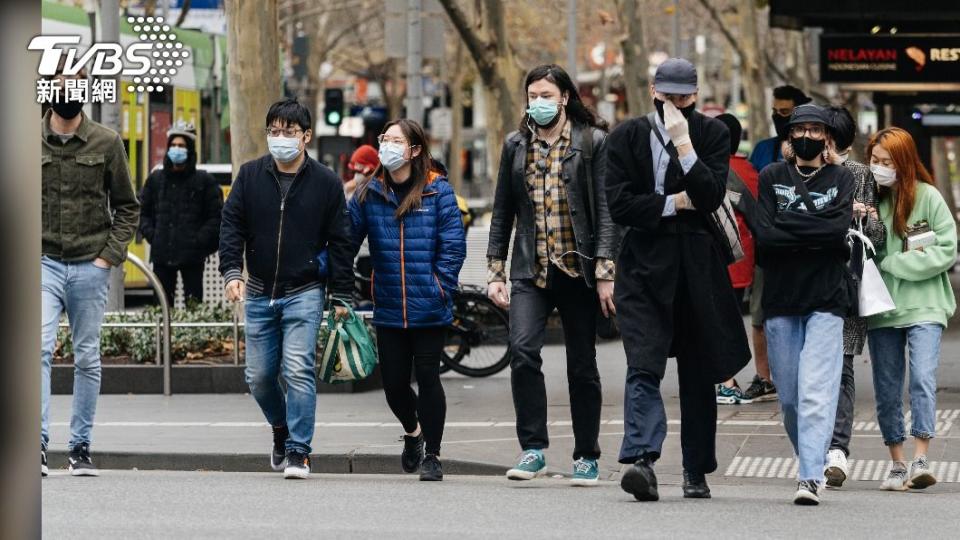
{"points": [[146, 505]]}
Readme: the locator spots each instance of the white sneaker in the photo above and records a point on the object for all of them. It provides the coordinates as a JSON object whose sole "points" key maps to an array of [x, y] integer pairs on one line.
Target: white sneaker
{"points": [[836, 469], [920, 475], [896, 478]]}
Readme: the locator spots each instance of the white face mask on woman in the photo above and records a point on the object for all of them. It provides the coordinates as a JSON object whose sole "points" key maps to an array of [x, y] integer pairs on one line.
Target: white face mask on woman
{"points": [[885, 176]]}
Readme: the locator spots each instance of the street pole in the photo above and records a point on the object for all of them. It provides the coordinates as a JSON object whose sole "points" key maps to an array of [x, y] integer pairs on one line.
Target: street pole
{"points": [[414, 61], [572, 39], [110, 117], [676, 28]]}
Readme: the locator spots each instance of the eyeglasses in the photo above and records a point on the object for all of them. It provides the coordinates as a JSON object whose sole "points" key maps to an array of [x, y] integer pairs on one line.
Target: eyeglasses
{"points": [[396, 140], [815, 131], [288, 132]]}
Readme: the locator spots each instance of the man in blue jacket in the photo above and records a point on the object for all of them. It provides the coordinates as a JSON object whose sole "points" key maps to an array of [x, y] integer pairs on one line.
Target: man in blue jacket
{"points": [[282, 210]]}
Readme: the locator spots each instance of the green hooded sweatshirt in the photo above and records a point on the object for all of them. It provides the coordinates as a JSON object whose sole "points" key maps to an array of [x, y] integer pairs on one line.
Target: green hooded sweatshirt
{"points": [[918, 280]]}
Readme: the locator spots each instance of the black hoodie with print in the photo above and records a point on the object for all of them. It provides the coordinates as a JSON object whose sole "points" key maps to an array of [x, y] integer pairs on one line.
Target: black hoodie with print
{"points": [[804, 251]]}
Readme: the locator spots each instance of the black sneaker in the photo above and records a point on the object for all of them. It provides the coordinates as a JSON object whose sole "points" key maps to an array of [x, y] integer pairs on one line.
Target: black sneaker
{"points": [[298, 466], [760, 390], [695, 486], [640, 481], [808, 493], [44, 470], [80, 462], [279, 452], [412, 454], [430, 469]]}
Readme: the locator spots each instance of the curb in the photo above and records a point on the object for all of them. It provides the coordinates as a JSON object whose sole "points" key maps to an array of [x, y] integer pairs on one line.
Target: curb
{"points": [[320, 463]]}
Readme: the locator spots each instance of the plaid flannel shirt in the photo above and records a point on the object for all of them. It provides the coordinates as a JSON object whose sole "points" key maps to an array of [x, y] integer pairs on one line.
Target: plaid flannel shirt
{"points": [[555, 241]]}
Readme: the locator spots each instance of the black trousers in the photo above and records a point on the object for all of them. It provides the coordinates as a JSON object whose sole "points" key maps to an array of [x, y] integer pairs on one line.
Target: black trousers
{"points": [[402, 350], [192, 275], [843, 428], [530, 306]]}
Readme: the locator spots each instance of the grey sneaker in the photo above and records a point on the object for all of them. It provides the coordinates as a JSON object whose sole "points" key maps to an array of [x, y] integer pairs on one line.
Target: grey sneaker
{"points": [[920, 475], [896, 478]]}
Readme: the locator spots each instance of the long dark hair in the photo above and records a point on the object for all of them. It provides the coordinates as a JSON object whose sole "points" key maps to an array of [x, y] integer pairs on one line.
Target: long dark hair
{"points": [[420, 167], [576, 110]]}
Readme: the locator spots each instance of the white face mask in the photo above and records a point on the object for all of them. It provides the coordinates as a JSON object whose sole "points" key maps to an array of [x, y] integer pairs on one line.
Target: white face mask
{"points": [[885, 176]]}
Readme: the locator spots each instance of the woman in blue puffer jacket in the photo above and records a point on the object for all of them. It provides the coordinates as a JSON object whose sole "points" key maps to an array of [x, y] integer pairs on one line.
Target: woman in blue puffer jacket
{"points": [[409, 214]]}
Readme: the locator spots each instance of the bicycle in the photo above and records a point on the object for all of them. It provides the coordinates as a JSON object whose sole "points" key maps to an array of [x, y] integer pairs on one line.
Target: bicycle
{"points": [[477, 342]]}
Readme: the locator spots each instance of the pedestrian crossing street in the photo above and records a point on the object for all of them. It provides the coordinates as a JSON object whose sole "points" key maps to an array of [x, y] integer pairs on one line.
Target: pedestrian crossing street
{"points": [[860, 469]]}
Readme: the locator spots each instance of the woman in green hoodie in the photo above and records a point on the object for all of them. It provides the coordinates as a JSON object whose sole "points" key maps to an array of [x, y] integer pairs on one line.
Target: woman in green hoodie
{"points": [[921, 247]]}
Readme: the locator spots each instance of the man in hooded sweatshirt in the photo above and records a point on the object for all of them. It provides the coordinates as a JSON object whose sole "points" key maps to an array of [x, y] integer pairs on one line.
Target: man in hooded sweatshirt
{"points": [[180, 215]]}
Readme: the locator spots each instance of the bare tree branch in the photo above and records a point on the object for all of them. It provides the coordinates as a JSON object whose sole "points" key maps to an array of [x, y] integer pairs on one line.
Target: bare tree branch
{"points": [[477, 46], [183, 13]]}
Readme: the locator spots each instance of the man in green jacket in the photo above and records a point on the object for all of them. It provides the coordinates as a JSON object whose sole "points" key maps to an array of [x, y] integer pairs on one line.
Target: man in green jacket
{"points": [[89, 214]]}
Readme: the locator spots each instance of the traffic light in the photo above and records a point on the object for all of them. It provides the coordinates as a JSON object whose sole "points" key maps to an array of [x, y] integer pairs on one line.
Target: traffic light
{"points": [[333, 106]]}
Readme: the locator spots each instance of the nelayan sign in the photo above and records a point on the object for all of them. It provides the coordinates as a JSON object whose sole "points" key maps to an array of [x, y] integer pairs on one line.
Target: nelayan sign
{"points": [[890, 58]]}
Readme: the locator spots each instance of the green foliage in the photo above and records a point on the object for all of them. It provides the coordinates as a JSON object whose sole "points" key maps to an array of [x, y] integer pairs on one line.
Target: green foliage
{"points": [[140, 344]]}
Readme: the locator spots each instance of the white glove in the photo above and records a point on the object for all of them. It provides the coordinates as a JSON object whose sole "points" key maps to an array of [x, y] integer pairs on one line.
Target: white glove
{"points": [[676, 124], [681, 201]]}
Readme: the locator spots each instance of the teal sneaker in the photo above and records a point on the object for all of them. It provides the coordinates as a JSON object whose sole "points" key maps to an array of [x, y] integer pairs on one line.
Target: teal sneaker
{"points": [[531, 465], [731, 396], [586, 473]]}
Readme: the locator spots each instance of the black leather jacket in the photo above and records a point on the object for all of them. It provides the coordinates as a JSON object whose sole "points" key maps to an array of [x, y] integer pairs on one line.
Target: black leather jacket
{"points": [[596, 234]]}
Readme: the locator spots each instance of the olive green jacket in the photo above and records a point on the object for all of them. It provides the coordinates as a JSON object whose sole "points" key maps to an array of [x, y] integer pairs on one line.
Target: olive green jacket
{"points": [[89, 206]]}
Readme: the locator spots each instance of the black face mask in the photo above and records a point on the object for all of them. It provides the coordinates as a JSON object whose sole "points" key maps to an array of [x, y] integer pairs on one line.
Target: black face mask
{"points": [[806, 148], [67, 109], [780, 125], [686, 111]]}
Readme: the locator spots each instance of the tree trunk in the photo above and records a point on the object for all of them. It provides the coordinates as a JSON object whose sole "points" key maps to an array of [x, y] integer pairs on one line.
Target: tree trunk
{"points": [[754, 76], [499, 70], [635, 65], [455, 161], [253, 74]]}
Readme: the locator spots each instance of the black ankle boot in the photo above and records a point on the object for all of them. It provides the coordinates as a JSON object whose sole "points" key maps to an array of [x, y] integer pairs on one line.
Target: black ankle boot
{"points": [[695, 486]]}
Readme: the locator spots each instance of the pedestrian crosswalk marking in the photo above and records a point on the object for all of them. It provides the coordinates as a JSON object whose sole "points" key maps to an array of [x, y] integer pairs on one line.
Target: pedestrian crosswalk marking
{"points": [[860, 469], [946, 418]]}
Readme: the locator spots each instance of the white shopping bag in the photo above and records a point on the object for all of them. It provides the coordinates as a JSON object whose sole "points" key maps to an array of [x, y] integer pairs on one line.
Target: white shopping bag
{"points": [[873, 296]]}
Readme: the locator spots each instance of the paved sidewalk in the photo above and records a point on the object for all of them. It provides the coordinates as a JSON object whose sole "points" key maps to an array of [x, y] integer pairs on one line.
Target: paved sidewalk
{"points": [[357, 433]]}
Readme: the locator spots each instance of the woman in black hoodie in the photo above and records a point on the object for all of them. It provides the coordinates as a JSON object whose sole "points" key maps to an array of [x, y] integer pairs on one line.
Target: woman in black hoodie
{"points": [[806, 206], [180, 215]]}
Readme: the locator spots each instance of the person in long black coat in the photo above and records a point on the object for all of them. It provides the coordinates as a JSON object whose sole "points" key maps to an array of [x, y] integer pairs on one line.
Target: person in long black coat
{"points": [[672, 292]]}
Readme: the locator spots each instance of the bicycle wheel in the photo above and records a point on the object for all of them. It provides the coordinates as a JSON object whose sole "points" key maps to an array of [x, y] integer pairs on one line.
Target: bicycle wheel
{"points": [[478, 341]]}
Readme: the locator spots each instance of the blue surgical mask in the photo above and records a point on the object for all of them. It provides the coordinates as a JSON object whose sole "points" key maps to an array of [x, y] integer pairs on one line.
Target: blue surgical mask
{"points": [[391, 156], [177, 154], [284, 149], [543, 111]]}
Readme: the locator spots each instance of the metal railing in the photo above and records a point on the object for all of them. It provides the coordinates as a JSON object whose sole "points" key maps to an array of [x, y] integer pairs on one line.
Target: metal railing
{"points": [[164, 326]]}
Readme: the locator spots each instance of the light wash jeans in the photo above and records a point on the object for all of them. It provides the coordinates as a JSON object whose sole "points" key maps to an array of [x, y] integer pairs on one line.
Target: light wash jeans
{"points": [[806, 360], [888, 358], [282, 338], [80, 289]]}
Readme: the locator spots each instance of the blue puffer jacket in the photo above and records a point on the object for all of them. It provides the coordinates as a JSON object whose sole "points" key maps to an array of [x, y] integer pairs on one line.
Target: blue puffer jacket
{"points": [[416, 260]]}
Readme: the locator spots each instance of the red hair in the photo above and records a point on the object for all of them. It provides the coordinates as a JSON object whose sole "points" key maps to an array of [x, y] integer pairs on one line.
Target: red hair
{"points": [[910, 170]]}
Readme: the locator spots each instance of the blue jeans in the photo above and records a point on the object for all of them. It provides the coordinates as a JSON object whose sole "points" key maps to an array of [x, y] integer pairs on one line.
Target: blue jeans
{"points": [[806, 361], [80, 289], [888, 358], [282, 339]]}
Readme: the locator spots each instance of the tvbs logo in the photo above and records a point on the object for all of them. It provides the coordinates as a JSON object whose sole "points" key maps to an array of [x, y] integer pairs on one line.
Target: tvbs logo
{"points": [[146, 65]]}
